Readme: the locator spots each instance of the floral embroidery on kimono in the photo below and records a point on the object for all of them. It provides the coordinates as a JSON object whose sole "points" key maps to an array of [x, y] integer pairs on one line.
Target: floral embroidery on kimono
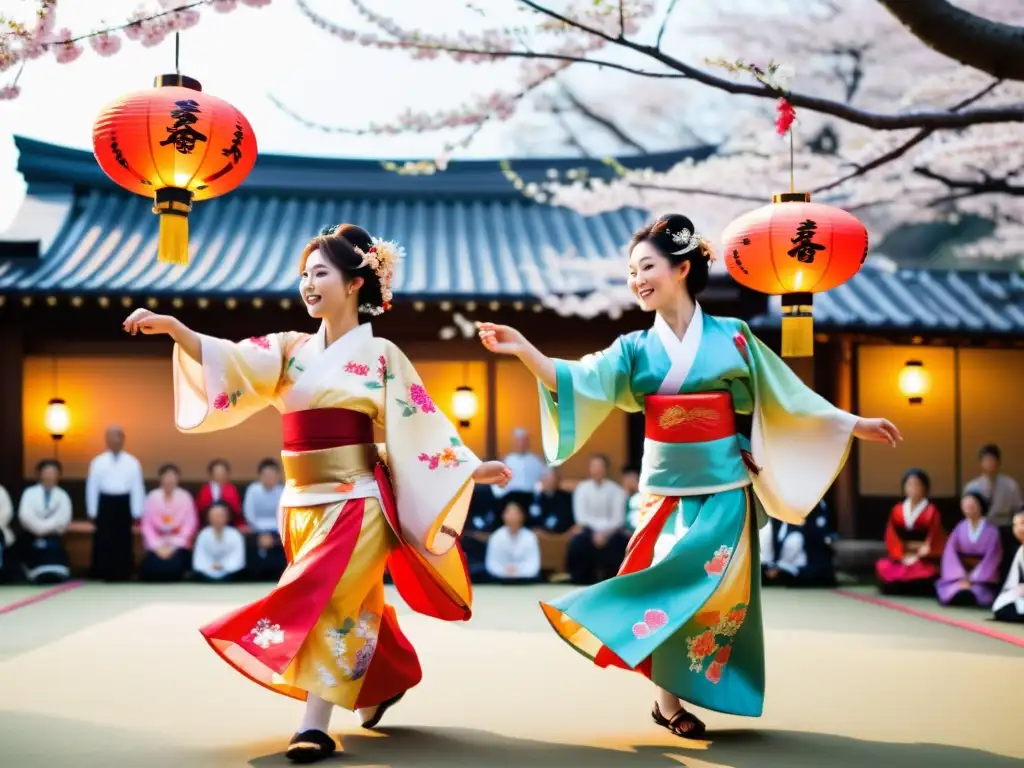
{"points": [[383, 374], [419, 401], [653, 620], [326, 676], [226, 400], [260, 341], [265, 634], [716, 565], [353, 665], [446, 457], [716, 640], [357, 368]]}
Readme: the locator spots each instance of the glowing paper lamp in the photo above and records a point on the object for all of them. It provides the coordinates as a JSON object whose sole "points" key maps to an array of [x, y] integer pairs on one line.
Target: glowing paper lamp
{"points": [[176, 145], [795, 248], [914, 382], [57, 418], [464, 405]]}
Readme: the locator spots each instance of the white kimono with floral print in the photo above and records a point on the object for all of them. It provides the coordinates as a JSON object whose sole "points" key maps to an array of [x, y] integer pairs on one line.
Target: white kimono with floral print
{"points": [[431, 469]]}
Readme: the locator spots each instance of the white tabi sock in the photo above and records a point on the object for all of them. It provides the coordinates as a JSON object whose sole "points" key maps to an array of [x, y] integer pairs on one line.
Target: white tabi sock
{"points": [[317, 716]]}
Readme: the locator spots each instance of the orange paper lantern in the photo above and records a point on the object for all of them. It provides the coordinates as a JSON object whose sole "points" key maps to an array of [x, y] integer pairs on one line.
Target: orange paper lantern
{"points": [[177, 145], [795, 248]]}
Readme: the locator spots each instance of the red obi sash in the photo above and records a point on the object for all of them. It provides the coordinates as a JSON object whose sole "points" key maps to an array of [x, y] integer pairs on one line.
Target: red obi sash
{"points": [[320, 428], [689, 418]]}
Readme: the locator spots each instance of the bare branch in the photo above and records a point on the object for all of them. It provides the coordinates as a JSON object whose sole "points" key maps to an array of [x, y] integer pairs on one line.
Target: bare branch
{"points": [[664, 23], [700, 191], [970, 187], [988, 46], [604, 122]]}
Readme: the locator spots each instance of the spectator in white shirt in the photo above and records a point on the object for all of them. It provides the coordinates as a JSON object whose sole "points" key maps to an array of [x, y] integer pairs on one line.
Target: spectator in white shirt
{"points": [[6, 535], [599, 506], [45, 514], [527, 470], [219, 551], [115, 493], [513, 552], [265, 558]]}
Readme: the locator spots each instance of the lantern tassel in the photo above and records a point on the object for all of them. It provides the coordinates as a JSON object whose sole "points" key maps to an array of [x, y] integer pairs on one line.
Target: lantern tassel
{"points": [[173, 206], [173, 247], [797, 325]]}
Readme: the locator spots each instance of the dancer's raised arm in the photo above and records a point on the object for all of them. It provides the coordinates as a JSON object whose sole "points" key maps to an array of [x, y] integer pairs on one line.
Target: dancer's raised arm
{"points": [[503, 340], [149, 323]]}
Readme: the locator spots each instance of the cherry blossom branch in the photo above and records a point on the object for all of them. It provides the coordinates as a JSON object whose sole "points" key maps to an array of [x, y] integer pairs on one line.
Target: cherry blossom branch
{"points": [[906, 146], [876, 120], [971, 187], [664, 23]]}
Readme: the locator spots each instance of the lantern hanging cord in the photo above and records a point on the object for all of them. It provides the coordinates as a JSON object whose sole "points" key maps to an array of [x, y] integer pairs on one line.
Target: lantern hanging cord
{"points": [[792, 181], [177, 53]]}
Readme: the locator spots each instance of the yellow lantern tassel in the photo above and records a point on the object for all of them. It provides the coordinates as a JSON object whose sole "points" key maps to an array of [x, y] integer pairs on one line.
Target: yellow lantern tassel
{"points": [[173, 206], [797, 325]]}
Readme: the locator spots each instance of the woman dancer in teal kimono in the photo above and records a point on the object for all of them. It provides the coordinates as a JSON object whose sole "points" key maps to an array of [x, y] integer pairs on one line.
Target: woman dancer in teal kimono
{"points": [[685, 608]]}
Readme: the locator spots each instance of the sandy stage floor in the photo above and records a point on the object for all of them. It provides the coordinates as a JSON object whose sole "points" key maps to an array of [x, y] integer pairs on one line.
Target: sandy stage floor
{"points": [[118, 676]]}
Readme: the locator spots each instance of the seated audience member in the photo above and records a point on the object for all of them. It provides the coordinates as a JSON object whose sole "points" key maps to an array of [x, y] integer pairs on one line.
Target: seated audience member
{"points": [[6, 536], [634, 499], [969, 574], [799, 555], [599, 507], [527, 469], [169, 524], [1009, 605], [551, 509], [219, 488], [219, 552], [45, 514], [481, 521], [513, 553], [1004, 498], [265, 560], [914, 540]]}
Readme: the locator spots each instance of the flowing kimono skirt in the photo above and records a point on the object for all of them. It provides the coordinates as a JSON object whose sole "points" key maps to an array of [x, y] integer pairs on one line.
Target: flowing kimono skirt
{"points": [[325, 629], [685, 607]]}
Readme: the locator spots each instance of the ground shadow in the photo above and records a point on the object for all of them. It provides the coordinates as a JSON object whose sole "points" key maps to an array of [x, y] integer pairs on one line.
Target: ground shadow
{"points": [[467, 748]]}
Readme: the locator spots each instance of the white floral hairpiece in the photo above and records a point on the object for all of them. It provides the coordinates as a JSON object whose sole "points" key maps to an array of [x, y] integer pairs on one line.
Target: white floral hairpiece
{"points": [[689, 241], [381, 258]]}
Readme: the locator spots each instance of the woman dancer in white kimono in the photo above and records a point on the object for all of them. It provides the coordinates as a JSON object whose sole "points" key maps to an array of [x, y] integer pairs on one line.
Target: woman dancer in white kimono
{"points": [[350, 507]]}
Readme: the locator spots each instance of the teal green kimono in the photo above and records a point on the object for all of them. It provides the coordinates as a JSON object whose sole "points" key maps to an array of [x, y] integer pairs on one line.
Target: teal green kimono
{"points": [[685, 608]]}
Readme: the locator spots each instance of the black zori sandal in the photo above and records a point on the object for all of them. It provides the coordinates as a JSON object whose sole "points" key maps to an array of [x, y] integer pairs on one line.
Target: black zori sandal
{"points": [[381, 709], [681, 718], [310, 747]]}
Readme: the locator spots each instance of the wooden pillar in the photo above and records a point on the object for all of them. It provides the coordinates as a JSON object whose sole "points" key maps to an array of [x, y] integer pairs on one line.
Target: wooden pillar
{"points": [[12, 436], [492, 408], [846, 483]]}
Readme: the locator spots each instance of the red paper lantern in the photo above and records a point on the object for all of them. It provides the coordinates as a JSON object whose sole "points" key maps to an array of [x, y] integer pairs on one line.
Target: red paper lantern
{"points": [[177, 145], [795, 248]]}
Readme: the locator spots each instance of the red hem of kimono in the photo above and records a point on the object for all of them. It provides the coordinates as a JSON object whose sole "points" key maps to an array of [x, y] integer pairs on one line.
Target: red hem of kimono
{"points": [[294, 607], [420, 586]]}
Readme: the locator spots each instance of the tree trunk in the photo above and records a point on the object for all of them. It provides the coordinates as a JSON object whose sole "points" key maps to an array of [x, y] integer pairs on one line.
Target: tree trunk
{"points": [[989, 46]]}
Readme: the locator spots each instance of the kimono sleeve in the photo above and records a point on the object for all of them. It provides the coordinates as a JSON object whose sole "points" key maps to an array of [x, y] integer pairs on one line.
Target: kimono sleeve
{"points": [[799, 440], [588, 390], [431, 469], [234, 381]]}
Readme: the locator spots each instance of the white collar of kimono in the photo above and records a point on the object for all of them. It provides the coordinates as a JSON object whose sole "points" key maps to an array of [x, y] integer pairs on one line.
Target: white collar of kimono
{"points": [[974, 531], [910, 514], [357, 334], [323, 366], [681, 352]]}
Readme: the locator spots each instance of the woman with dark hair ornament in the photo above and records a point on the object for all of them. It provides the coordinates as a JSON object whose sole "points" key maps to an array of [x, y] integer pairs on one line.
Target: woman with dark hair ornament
{"points": [[350, 507], [685, 607]]}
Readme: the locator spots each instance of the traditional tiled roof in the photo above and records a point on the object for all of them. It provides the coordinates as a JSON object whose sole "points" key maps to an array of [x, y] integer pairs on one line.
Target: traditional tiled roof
{"points": [[468, 233], [920, 300]]}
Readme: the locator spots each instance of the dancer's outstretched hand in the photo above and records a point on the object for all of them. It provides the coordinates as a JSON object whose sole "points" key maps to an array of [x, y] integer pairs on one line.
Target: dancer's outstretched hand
{"points": [[878, 431], [501, 339], [493, 473], [146, 322]]}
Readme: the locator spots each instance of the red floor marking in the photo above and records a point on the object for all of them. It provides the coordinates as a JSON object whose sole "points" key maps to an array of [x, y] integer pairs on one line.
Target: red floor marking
{"points": [[882, 602], [40, 596]]}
